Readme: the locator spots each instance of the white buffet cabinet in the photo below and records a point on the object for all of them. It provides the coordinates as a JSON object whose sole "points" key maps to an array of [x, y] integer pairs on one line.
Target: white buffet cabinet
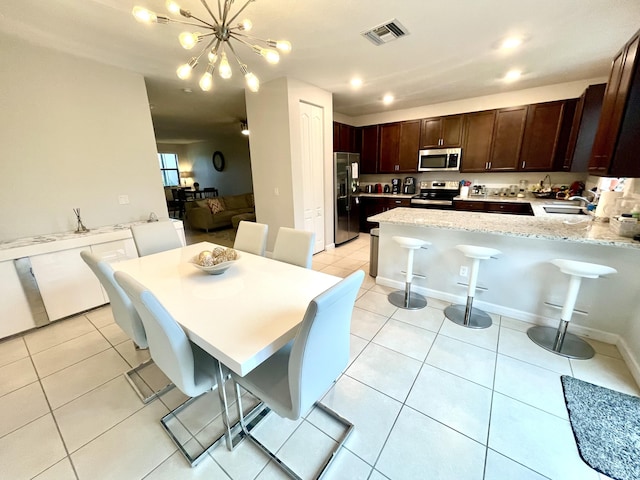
{"points": [[66, 284]]}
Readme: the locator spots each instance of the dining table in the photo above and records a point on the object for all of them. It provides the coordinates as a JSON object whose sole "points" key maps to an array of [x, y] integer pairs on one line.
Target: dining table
{"points": [[240, 317]]}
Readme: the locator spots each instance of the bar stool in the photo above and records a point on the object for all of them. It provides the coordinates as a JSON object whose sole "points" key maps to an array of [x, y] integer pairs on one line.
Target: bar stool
{"points": [[558, 340], [404, 298], [466, 315]]}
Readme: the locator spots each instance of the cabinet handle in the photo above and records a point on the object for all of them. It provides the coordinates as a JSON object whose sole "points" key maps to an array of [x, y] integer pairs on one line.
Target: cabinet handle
{"points": [[523, 164], [486, 165], [489, 166]]}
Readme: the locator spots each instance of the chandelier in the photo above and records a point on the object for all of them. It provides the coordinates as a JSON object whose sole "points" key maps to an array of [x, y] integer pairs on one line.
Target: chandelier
{"points": [[216, 35]]}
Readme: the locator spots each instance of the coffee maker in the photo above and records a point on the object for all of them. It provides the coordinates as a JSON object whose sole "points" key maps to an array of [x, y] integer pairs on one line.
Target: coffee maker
{"points": [[395, 185], [409, 185]]}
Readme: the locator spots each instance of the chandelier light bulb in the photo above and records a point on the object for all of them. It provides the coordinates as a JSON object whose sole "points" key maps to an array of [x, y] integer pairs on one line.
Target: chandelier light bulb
{"points": [[245, 25], [225, 69], [283, 45], [253, 83], [173, 7], [184, 71], [206, 81], [271, 56], [143, 15], [213, 57], [189, 40]]}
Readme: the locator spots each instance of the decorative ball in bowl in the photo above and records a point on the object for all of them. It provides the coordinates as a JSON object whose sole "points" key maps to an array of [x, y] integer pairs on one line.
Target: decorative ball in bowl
{"points": [[216, 261]]}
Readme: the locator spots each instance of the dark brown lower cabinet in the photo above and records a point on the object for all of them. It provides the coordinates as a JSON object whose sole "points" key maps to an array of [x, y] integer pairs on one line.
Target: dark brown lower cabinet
{"points": [[373, 205]]}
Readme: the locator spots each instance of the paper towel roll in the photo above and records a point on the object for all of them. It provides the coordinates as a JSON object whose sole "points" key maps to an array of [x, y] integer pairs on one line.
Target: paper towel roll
{"points": [[606, 204]]}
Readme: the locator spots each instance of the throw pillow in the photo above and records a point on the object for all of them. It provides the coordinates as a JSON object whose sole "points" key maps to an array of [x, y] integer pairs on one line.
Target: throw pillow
{"points": [[215, 205]]}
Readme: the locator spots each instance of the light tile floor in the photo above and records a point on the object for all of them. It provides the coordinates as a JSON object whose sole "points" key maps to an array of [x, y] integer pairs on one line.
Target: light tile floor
{"points": [[429, 399]]}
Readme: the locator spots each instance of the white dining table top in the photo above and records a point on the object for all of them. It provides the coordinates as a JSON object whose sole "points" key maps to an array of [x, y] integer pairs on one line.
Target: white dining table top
{"points": [[240, 317]]}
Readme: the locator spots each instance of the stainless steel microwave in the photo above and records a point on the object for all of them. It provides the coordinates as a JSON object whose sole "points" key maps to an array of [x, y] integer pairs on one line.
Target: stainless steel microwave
{"points": [[442, 159]]}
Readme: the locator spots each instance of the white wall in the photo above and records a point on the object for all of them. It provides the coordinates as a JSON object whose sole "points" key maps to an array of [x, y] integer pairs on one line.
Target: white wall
{"points": [[268, 118], [547, 93], [74, 134], [196, 159], [273, 115]]}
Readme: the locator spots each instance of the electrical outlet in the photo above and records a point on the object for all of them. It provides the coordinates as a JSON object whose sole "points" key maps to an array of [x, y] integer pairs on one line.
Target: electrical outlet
{"points": [[123, 199], [464, 271]]}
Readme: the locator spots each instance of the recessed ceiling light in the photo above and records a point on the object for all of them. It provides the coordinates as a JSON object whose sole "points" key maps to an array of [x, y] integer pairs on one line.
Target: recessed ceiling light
{"points": [[356, 82], [512, 75], [387, 99], [510, 43]]}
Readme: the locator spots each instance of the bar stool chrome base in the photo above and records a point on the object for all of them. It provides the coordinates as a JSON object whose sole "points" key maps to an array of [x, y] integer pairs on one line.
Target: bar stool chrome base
{"points": [[407, 299], [571, 346], [468, 317]]}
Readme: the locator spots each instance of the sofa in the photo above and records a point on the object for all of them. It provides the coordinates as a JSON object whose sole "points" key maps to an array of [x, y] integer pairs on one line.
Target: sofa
{"points": [[211, 213]]}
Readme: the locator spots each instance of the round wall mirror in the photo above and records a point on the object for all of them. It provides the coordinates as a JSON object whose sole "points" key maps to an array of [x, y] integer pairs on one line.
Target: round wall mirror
{"points": [[218, 161]]}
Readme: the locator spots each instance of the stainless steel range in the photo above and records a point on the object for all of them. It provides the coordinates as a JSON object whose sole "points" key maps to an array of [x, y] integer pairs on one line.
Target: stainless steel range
{"points": [[436, 194]]}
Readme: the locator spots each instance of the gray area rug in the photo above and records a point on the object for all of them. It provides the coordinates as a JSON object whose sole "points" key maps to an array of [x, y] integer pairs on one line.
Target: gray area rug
{"points": [[606, 425]]}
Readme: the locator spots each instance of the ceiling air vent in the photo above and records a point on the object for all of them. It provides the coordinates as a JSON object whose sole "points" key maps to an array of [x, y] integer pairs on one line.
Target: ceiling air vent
{"points": [[385, 32]]}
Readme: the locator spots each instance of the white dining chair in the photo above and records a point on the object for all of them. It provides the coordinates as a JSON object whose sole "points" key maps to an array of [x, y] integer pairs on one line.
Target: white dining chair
{"points": [[294, 246], [154, 237], [126, 317], [292, 380], [190, 368], [251, 237]]}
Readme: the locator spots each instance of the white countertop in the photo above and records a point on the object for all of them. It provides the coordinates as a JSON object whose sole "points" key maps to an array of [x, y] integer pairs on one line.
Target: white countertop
{"points": [[573, 228], [29, 246]]}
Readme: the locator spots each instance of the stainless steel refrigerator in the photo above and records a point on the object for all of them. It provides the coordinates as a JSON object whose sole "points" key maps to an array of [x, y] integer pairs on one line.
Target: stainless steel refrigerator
{"points": [[346, 168]]}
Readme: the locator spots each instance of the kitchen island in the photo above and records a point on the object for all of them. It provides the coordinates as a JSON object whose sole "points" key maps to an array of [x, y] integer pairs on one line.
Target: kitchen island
{"points": [[521, 280]]}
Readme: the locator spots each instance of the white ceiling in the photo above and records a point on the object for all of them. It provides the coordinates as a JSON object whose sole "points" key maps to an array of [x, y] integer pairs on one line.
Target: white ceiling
{"points": [[448, 55]]}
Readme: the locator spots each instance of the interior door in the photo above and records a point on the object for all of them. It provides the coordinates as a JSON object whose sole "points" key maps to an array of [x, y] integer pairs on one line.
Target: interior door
{"points": [[312, 155]]}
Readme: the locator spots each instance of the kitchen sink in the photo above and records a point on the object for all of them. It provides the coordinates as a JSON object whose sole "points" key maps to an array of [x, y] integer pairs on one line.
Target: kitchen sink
{"points": [[570, 209]]}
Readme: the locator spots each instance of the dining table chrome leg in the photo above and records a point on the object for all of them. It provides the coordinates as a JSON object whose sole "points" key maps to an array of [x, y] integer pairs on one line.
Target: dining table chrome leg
{"points": [[222, 393], [234, 432]]}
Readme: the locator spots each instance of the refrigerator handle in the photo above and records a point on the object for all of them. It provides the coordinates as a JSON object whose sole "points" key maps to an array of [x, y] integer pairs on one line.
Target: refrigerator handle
{"points": [[349, 180]]}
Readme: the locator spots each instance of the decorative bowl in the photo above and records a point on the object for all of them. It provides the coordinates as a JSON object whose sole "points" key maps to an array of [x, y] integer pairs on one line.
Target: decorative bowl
{"points": [[543, 194], [214, 269]]}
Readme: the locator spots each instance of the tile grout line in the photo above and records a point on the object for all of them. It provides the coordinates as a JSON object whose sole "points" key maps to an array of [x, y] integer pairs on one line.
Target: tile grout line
{"points": [[55, 420]]}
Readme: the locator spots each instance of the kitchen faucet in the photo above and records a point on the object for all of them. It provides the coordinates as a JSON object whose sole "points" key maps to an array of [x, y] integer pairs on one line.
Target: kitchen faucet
{"points": [[587, 204]]}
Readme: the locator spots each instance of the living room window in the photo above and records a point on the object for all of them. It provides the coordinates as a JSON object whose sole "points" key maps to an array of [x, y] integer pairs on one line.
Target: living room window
{"points": [[169, 169]]}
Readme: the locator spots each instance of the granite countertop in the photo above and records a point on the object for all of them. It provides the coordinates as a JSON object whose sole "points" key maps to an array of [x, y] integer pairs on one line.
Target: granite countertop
{"points": [[573, 228]]}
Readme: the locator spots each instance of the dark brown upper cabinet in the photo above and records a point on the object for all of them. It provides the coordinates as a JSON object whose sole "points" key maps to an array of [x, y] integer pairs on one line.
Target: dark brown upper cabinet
{"points": [[542, 135], [507, 139], [369, 148], [441, 132], [476, 146], [344, 138], [583, 129], [399, 145], [616, 149]]}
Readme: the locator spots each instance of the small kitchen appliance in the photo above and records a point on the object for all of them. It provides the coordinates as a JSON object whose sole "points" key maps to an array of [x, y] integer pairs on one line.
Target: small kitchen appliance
{"points": [[409, 186], [395, 185], [436, 194]]}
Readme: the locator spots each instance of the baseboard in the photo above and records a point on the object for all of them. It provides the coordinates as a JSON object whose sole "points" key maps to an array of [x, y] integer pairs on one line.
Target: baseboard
{"points": [[600, 335], [629, 358]]}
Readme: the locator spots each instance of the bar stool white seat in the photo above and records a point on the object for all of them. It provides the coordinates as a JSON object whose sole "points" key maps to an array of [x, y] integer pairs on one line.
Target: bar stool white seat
{"points": [[404, 298], [466, 315], [557, 340]]}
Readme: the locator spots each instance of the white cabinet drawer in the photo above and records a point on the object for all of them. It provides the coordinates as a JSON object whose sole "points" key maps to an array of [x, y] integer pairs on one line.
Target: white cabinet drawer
{"points": [[66, 283]]}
